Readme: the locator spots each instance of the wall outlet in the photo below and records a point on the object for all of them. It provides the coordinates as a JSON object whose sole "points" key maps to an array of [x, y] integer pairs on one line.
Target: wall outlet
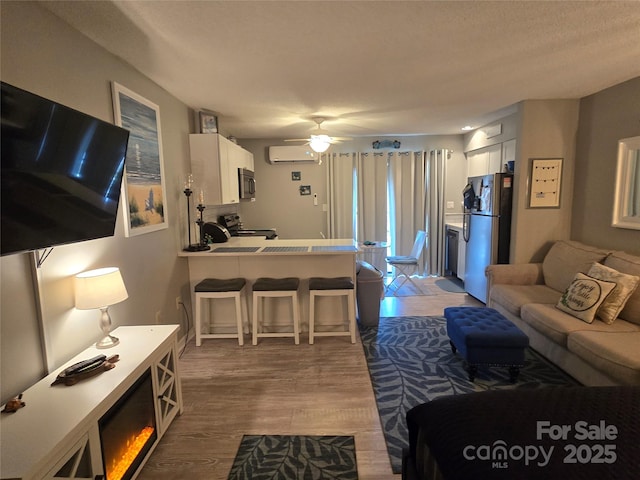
{"points": [[159, 317], [178, 302], [450, 204]]}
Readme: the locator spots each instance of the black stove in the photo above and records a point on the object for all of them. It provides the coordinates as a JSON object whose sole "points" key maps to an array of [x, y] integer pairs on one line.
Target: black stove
{"points": [[233, 224]]}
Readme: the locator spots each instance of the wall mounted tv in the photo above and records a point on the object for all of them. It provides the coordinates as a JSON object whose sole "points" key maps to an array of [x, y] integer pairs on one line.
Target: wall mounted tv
{"points": [[61, 173]]}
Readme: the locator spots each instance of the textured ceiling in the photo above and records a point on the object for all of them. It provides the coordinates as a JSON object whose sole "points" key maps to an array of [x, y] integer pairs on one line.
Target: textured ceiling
{"points": [[371, 68]]}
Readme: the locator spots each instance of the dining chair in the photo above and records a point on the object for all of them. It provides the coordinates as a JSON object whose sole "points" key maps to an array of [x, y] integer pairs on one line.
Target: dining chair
{"points": [[406, 265]]}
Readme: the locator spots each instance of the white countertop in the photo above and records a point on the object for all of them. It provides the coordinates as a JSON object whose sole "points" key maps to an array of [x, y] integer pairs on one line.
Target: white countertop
{"points": [[261, 246], [454, 225]]}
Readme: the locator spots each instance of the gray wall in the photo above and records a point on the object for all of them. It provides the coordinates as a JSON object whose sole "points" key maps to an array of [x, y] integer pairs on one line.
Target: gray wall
{"points": [[605, 118], [278, 201], [43, 55], [546, 129]]}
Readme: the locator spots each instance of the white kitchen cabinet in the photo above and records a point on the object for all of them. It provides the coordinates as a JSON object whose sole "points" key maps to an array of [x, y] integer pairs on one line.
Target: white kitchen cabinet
{"points": [[214, 164], [477, 164], [509, 151], [244, 158], [495, 158], [484, 161]]}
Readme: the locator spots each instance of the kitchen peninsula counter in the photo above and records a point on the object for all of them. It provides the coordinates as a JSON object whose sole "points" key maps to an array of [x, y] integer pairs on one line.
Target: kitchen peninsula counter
{"points": [[241, 246], [255, 257]]}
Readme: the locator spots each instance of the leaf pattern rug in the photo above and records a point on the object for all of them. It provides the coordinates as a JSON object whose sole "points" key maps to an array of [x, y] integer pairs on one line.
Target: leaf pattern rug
{"points": [[287, 457], [410, 362]]}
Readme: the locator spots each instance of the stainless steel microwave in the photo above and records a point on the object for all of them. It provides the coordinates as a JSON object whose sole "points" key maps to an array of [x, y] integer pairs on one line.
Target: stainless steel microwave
{"points": [[246, 183]]}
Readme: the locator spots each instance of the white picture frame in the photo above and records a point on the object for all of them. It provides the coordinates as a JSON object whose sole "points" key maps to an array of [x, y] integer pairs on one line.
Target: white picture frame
{"points": [[545, 183], [626, 200]]}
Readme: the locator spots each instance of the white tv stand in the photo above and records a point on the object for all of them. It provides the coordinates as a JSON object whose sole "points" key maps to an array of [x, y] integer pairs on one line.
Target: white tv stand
{"points": [[56, 434]]}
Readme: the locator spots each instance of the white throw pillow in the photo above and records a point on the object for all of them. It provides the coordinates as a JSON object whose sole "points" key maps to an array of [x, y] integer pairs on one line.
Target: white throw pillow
{"points": [[617, 299], [583, 296]]}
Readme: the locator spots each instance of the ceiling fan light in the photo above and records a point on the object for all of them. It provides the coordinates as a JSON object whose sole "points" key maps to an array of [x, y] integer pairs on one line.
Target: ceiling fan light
{"points": [[320, 143]]}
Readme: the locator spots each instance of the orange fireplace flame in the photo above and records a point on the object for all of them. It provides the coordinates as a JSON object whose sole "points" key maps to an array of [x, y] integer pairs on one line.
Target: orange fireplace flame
{"points": [[133, 447]]}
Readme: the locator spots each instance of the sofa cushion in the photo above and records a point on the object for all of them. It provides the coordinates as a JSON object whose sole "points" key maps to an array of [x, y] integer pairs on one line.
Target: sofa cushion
{"points": [[565, 259], [617, 299], [616, 354], [513, 297], [584, 296], [557, 325], [629, 264]]}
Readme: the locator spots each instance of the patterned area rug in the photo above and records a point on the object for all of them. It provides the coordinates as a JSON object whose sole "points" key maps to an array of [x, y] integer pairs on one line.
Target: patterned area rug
{"points": [[295, 457], [410, 362]]}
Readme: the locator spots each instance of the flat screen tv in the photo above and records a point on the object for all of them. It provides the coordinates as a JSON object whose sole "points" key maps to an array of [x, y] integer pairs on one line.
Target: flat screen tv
{"points": [[61, 173]]}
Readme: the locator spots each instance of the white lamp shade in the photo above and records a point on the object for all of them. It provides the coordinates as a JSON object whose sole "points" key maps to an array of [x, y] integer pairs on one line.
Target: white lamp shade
{"points": [[320, 143], [99, 288]]}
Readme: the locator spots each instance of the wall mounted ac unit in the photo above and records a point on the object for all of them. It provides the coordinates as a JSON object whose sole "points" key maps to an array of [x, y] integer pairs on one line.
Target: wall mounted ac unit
{"points": [[292, 154]]}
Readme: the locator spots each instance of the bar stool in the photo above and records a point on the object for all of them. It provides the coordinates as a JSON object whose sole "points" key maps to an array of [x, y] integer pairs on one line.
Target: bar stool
{"points": [[335, 287], [214, 288], [275, 287]]}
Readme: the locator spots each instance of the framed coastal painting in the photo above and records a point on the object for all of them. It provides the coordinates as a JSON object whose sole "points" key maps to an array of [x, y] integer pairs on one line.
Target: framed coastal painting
{"points": [[143, 189]]}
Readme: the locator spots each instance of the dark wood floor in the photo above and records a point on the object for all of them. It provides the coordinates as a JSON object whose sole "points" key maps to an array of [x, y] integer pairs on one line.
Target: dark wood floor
{"points": [[277, 387]]}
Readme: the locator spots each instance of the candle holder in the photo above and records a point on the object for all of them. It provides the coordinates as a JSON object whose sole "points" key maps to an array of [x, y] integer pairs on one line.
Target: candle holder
{"points": [[200, 246]]}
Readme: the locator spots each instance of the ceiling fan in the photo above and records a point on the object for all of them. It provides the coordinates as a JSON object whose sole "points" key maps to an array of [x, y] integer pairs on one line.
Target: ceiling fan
{"points": [[319, 140]]}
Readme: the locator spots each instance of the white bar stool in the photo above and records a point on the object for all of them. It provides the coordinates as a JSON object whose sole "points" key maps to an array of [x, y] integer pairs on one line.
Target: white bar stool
{"points": [[336, 287], [214, 288], [275, 287]]}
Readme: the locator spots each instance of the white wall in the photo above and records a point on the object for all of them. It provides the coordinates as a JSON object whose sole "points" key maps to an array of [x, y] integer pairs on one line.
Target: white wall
{"points": [[43, 55]]}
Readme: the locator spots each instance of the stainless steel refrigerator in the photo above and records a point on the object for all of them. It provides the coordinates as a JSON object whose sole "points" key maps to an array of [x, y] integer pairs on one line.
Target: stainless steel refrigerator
{"points": [[486, 228]]}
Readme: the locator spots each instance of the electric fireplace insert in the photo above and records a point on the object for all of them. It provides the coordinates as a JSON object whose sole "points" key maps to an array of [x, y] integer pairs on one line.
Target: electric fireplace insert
{"points": [[128, 430]]}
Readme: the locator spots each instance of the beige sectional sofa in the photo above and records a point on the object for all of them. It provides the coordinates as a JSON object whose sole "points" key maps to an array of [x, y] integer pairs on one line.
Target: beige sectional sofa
{"points": [[545, 299]]}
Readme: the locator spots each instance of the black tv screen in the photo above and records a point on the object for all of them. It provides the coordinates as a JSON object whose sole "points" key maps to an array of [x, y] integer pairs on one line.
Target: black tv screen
{"points": [[61, 173]]}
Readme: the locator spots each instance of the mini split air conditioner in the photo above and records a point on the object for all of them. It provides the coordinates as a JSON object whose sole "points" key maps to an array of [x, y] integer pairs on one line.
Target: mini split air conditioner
{"points": [[292, 154]]}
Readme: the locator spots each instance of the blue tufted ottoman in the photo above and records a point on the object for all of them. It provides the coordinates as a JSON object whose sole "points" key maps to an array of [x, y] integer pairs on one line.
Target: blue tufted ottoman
{"points": [[485, 337]]}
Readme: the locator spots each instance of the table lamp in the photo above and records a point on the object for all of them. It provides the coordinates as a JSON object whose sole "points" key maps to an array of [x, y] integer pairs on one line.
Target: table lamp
{"points": [[99, 289]]}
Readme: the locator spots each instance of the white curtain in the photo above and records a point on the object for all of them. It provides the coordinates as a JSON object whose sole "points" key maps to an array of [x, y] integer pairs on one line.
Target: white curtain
{"points": [[407, 185], [371, 173], [341, 172], [407, 201], [435, 208]]}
